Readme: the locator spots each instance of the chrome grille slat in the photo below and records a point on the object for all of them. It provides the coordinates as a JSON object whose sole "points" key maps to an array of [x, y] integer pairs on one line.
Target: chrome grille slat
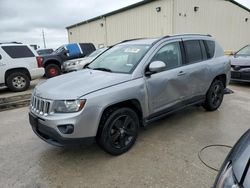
{"points": [[40, 106]]}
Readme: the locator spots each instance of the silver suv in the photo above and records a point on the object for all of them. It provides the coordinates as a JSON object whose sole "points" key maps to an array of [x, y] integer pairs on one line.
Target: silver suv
{"points": [[129, 86]]}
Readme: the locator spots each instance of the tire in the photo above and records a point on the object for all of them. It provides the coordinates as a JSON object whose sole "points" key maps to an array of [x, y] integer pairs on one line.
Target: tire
{"points": [[52, 70], [18, 81], [118, 130], [214, 96]]}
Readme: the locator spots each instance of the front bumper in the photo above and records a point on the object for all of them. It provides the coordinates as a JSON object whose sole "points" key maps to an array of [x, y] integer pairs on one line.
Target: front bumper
{"points": [[240, 76], [52, 137]]}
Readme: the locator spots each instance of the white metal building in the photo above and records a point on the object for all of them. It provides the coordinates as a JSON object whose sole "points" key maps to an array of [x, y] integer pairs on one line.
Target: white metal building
{"points": [[226, 20]]}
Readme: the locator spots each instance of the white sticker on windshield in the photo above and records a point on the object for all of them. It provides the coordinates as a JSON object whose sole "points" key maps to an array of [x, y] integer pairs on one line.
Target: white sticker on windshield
{"points": [[132, 50]]}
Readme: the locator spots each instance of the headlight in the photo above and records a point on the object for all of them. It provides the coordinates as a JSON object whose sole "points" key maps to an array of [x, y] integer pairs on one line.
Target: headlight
{"points": [[73, 63], [68, 106], [227, 178]]}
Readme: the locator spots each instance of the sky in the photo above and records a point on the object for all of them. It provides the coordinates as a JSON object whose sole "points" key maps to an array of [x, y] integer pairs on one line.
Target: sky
{"points": [[23, 21]]}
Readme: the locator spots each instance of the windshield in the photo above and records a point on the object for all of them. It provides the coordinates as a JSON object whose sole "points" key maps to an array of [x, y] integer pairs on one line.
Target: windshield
{"points": [[120, 59], [58, 50], [97, 52], [244, 51]]}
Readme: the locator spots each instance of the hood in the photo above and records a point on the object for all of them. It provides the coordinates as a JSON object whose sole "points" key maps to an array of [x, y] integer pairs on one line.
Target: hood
{"points": [[75, 60], [240, 61], [76, 84], [87, 60]]}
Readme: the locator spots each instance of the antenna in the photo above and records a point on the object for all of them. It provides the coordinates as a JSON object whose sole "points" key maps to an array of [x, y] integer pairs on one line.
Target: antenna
{"points": [[44, 43]]}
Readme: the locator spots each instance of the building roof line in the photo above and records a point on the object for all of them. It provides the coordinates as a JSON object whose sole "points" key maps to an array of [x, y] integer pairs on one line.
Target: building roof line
{"points": [[134, 6], [111, 13]]}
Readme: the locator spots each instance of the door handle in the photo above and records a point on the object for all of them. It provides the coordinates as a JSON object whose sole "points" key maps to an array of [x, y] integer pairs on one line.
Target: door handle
{"points": [[181, 73]]}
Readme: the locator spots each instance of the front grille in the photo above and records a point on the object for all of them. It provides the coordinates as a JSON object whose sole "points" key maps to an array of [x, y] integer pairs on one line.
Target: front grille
{"points": [[40, 106]]}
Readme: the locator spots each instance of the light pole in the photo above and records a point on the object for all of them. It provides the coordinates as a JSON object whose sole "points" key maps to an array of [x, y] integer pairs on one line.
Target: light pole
{"points": [[44, 43]]}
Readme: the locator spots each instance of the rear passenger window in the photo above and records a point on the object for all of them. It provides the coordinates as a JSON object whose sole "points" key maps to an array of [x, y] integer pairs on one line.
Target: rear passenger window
{"points": [[18, 51], [193, 51], [210, 47]]}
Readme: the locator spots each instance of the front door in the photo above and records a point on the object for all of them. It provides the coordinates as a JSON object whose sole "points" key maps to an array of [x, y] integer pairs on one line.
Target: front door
{"points": [[167, 88]]}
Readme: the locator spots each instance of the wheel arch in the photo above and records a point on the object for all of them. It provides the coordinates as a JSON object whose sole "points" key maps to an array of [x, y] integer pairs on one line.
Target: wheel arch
{"points": [[10, 71], [52, 61], [134, 104], [222, 78]]}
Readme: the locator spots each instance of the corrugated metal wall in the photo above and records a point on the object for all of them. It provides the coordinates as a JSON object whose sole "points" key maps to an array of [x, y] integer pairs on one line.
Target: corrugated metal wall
{"points": [[222, 19], [138, 22], [143, 21], [89, 32]]}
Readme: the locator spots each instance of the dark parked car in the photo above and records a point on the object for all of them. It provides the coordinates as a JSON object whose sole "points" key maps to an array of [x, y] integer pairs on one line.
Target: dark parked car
{"points": [[240, 63], [45, 51], [53, 62], [235, 171]]}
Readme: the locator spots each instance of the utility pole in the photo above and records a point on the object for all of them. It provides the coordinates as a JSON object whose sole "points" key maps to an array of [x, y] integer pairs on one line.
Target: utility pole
{"points": [[44, 43]]}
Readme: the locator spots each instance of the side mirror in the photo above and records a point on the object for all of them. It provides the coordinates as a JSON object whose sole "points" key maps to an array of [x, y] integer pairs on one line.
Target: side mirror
{"points": [[156, 66]]}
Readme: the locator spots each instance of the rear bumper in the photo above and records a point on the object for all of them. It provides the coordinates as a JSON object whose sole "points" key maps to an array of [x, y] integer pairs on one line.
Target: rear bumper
{"points": [[36, 73], [52, 137]]}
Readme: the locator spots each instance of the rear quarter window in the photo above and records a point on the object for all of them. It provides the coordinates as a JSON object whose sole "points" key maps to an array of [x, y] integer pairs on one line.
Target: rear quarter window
{"points": [[210, 48], [18, 51]]}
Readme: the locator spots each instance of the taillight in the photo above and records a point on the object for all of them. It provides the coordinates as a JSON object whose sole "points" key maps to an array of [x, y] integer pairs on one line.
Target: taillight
{"points": [[39, 61]]}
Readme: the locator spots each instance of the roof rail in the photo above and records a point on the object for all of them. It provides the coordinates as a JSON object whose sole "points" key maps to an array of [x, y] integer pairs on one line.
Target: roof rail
{"points": [[177, 35], [14, 42], [191, 34], [130, 40]]}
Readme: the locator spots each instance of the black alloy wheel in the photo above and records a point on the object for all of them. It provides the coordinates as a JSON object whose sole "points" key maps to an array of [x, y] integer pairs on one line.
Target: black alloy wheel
{"points": [[119, 131], [214, 96]]}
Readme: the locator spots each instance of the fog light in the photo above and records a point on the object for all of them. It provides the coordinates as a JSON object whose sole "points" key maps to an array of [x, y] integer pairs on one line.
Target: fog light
{"points": [[66, 129]]}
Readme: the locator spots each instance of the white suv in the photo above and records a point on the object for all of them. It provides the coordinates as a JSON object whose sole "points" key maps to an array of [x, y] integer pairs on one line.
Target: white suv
{"points": [[18, 66]]}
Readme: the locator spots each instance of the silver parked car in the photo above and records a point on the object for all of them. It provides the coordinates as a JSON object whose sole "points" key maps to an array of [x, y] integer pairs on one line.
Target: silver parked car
{"points": [[129, 86], [241, 65], [78, 64]]}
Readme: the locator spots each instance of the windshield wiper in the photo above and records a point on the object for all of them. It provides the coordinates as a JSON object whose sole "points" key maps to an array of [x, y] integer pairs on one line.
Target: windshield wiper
{"points": [[103, 69]]}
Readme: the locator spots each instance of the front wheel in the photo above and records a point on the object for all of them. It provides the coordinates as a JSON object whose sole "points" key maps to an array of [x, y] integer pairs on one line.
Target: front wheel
{"points": [[214, 96], [52, 70], [119, 129]]}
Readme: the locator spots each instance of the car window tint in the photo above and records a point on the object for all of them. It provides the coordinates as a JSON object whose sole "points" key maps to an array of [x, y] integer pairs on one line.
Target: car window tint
{"points": [[210, 47], [203, 50], [170, 54], [18, 51], [193, 51]]}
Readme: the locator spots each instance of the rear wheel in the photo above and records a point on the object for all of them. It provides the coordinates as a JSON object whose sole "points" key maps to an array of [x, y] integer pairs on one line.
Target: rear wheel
{"points": [[18, 81], [52, 70], [214, 96], [118, 131]]}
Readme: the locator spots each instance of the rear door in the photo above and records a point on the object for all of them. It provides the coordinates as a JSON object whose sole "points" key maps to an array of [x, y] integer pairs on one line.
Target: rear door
{"points": [[196, 67], [2, 65], [167, 89]]}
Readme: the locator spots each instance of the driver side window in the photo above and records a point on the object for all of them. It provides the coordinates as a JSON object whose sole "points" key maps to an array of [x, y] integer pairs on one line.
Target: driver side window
{"points": [[170, 54]]}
